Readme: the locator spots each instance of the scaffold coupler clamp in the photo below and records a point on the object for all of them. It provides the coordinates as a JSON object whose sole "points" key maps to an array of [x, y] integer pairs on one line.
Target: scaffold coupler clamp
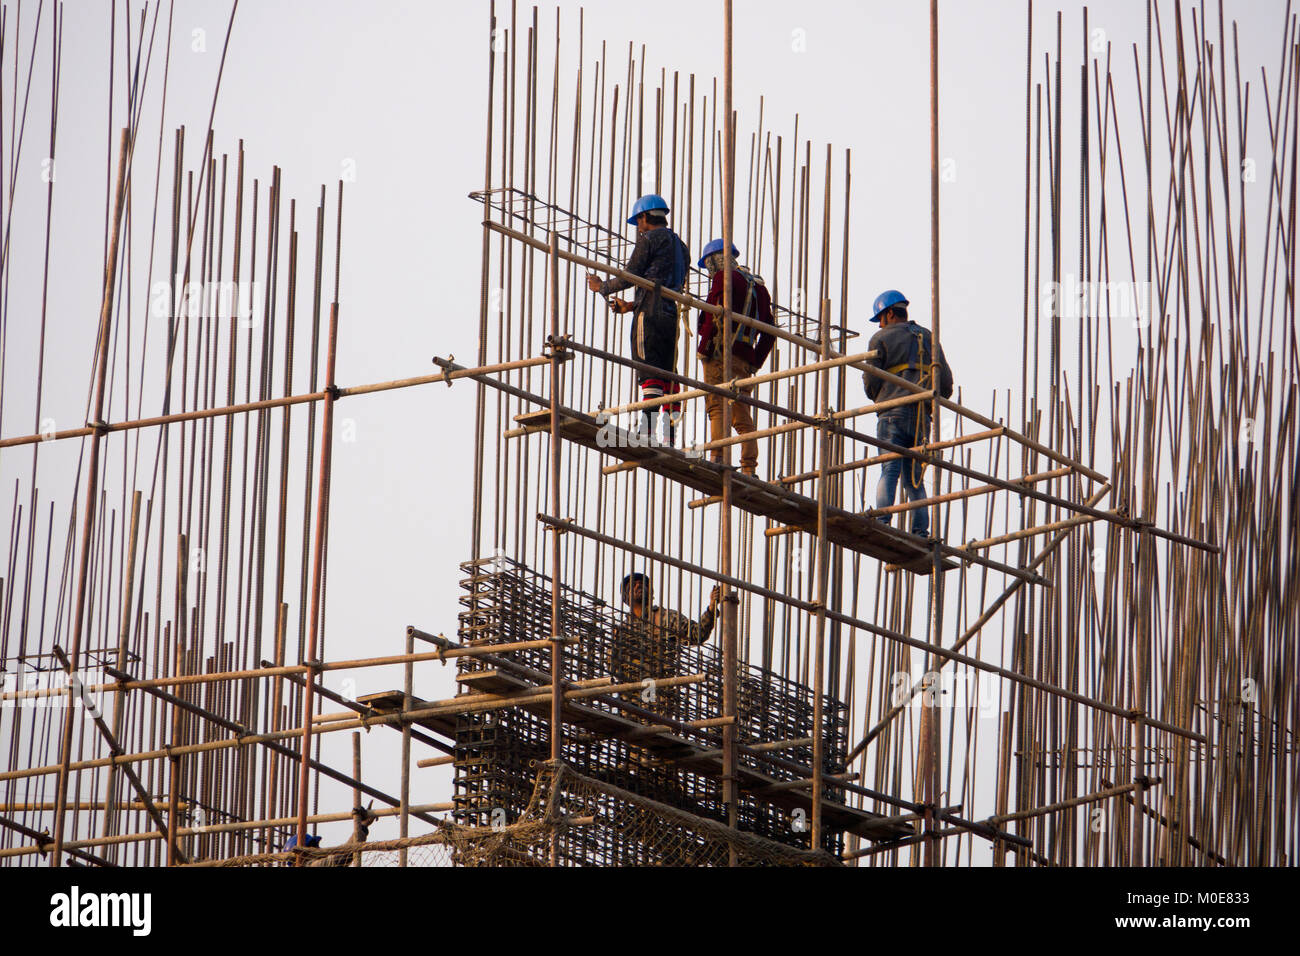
{"points": [[447, 364]]}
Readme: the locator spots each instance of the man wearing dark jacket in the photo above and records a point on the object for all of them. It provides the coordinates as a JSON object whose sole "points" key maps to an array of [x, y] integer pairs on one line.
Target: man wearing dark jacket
{"points": [[661, 257], [903, 348], [749, 347]]}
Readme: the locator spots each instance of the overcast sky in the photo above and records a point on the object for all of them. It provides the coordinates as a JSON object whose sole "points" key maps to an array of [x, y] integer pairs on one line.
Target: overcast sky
{"points": [[392, 96]]}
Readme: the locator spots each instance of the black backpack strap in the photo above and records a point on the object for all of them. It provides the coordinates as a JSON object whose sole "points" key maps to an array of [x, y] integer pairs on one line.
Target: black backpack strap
{"points": [[747, 309]]}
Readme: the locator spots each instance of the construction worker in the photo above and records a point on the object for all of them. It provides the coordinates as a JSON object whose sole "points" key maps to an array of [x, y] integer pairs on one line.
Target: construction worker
{"points": [[903, 348], [645, 650], [662, 258], [312, 841], [749, 347], [364, 820], [647, 643]]}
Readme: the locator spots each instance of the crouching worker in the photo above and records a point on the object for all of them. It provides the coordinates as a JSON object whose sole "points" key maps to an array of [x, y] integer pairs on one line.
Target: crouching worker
{"points": [[749, 348], [647, 644]]}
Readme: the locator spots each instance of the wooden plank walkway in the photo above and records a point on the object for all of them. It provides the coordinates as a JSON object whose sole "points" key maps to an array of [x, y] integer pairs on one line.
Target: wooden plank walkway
{"points": [[662, 744], [853, 531]]}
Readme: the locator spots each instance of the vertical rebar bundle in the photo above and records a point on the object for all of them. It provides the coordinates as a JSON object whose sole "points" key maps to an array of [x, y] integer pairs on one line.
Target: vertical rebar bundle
{"points": [[1099, 667]]}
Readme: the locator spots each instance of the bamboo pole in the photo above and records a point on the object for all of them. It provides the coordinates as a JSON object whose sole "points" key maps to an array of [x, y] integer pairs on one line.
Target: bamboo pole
{"points": [[269, 403]]}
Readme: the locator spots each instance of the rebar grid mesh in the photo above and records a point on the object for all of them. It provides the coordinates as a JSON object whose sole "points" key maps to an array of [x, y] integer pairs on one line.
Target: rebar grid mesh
{"points": [[588, 822], [497, 752]]}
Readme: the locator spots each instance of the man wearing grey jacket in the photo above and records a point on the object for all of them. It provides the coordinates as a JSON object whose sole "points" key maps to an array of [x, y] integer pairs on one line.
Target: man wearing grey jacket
{"points": [[903, 348]]}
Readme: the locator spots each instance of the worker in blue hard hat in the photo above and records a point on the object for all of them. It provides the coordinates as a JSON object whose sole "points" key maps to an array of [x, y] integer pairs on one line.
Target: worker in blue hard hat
{"points": [[313, 841], [661, 257], [749, 347], [903, 349]]}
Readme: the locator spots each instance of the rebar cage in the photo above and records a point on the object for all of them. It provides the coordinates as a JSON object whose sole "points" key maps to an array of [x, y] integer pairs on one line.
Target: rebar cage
{"points": [[498, 752]]}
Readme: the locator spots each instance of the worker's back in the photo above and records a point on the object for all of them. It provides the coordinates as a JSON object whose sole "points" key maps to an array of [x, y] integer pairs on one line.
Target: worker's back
{"points": [[749, 296], [903, 348], [661, 257]]}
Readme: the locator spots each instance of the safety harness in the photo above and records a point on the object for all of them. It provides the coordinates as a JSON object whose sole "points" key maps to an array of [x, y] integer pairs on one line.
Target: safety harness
{"points": [[746, 333], [741, 333], [922, 367]]}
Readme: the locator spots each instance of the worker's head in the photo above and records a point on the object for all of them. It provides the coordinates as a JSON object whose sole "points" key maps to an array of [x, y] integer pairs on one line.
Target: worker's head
{"points": [[890, 307], [649, 212], [313, 840], [713, 260], [636, 590]]}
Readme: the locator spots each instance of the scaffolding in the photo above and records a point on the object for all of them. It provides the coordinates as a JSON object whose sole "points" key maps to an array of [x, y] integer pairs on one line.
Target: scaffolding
{"points": [[1062, 675]]}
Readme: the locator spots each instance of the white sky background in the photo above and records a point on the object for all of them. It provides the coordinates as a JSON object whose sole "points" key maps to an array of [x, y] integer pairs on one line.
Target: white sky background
{"points": [[399, 89]]}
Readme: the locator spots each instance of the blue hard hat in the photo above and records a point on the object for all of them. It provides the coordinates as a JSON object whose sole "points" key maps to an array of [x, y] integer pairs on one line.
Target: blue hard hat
{"points": [[313, 840], [647, 203], [887, 300], [716, 246]]}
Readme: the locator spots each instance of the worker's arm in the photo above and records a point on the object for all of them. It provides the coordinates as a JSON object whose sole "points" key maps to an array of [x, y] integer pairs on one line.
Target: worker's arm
{"points": [[691, 632], [873, 382], [707, 324], [945, 375], [636, 265], [763, 347]]}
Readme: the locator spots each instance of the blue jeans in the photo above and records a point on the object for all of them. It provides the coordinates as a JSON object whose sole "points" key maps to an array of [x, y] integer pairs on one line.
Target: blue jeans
{"points": [[901, 431]]}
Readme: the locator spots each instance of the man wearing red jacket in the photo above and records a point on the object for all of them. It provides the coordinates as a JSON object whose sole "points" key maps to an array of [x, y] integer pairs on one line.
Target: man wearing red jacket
{"points": [[749, 347]]}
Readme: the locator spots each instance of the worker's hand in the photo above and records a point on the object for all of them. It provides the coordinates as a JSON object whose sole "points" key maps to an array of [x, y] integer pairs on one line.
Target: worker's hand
{"points": [[715, 597], [593, 282], [620, 305]]}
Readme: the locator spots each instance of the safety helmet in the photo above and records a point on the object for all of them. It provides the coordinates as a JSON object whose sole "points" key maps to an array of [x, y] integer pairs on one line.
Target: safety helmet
{"points": [[313, 840], [634, 576], [716, 246], [647, 203], [887, 300]]}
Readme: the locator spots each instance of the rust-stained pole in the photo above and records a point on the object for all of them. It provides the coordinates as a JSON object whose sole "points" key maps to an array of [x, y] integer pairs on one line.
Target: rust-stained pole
{"points": [[408, 679], [823, 552], [557, 646], [823, 565], [356, 794], [128, 580], [318, 561], [728, 602], [174, 854], [92, 493], [480, 392], [930, 739]]}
